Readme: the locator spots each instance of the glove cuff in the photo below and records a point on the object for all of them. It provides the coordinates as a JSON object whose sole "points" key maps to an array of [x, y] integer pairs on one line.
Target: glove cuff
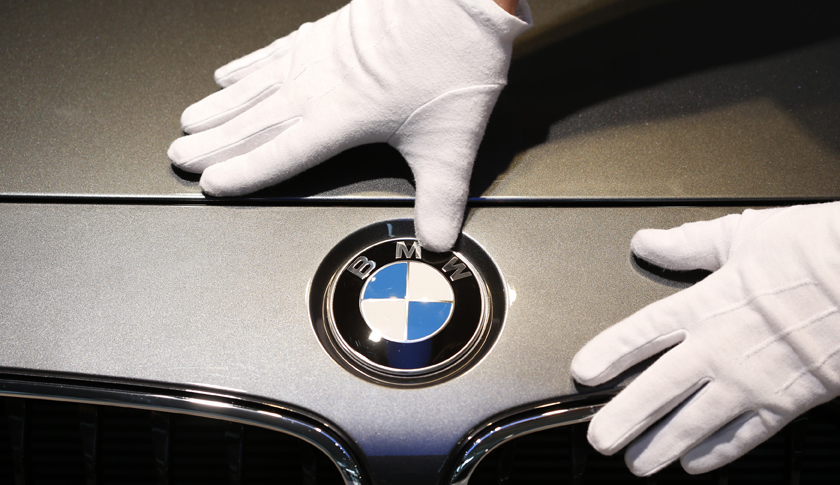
{"points": [[495, 18]]}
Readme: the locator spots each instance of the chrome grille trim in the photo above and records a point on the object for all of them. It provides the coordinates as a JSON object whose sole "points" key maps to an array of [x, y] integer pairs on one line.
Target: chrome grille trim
{"points": [[191, 401], [539, 417]]}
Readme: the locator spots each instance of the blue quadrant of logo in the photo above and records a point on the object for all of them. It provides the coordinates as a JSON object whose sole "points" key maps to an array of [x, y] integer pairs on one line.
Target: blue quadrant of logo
{"points": [[426, 317], [389, 282]]}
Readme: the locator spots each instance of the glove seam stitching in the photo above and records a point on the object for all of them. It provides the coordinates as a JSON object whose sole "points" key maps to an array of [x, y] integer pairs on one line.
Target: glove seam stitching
{"points": [[737, 241], [630, 356], [736, 423], [810, 370], [240, 105], [699, 385], [775, 338], [351, 26], [700, 393], [294, 122], [314, 98], [436, 98], [751, 298], [227, 76]]}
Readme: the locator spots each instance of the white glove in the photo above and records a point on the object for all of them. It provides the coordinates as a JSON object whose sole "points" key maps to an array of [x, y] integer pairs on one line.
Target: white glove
{"points": [[421, 75], [757, 341]]}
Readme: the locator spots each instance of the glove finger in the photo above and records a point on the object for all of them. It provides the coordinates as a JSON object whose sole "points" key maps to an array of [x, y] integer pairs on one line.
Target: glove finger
{"points": [[659, 389], [729, 443], [696, 245], [237, 70], [222, 106], [303, 145], [693, 421], [649, 331], [440, 141], [251, 129], [439, 206]]}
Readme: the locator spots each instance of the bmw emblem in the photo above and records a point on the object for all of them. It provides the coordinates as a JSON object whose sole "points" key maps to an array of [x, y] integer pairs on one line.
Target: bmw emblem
{"points": [[393, 312]]}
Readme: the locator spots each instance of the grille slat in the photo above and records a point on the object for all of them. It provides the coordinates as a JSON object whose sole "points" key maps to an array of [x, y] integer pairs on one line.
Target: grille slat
{"points": [[54, 448], [310, 467], [807, 451], [89, 433], [17, 426], [235, 444], [198, 451], [6, 462], [506, 456], [797, 431], [580, 452], [126, 453], [161, 444], [51, 442], [723, 475]]}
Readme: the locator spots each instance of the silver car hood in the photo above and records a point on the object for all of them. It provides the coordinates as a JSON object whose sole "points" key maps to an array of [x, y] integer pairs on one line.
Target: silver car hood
{"points": [[92, 97], [116, 266]]}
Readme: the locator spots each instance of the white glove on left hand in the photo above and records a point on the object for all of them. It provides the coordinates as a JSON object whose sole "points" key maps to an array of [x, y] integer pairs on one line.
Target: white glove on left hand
{"points": [[421, 75], [757, 341]]}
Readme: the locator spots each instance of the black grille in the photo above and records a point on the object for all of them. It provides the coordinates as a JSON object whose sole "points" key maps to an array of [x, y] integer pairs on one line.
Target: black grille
{"points": [[807, 451], [52, 442]]}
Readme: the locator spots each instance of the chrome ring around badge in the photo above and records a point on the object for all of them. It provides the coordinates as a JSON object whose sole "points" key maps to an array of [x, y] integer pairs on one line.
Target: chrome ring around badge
{"points": [[398, 310], [390, 312]]}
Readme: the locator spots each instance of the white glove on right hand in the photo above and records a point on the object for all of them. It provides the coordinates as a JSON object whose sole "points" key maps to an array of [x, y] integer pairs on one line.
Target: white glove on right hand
{"points": [[757, 341], [422, 75]]}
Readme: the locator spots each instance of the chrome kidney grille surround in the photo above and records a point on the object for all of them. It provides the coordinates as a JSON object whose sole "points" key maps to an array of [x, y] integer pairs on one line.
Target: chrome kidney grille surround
{"points": [[162, 401]]}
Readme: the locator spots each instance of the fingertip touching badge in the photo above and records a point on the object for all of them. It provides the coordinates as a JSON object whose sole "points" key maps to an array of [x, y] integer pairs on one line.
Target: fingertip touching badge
{"points": [[390, 311]]}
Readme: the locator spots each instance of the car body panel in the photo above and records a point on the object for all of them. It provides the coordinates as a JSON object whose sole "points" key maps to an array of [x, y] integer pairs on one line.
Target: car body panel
{"points": [[619, 115], [92, 96], [213, 296]]}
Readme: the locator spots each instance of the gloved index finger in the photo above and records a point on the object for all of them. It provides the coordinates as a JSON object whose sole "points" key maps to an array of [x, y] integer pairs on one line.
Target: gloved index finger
{"points": [[651, 330], [696, 245], [300, 144], [664, 386], [222, 106], [238, 69], [246, 132]]}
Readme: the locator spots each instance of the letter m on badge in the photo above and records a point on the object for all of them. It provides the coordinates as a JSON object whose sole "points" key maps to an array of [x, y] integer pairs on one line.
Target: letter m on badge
{"points": [[404, 252]]}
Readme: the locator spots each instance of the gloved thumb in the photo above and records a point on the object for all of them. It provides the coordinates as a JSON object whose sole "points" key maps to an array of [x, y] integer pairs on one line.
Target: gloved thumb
{"points": [[696, 245], [439, 141]]}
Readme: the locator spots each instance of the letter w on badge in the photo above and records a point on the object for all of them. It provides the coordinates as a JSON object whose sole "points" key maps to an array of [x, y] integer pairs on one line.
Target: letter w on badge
{"points": [[459, 268]]}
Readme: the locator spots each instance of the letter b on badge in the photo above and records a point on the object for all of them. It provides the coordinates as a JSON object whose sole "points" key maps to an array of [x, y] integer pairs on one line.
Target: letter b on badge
{"points": [[362, 267]]}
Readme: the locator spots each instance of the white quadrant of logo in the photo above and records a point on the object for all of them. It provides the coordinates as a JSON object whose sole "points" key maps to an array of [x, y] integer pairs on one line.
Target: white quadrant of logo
{"points": [[407, 301]]}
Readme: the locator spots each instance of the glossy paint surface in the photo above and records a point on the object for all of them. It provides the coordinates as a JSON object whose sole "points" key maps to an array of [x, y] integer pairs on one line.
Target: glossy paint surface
{"points": [[619, 115], [676, 100], [217, 296]]}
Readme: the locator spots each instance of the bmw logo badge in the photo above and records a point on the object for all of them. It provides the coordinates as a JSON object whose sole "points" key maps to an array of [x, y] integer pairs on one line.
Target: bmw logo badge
{"points": [[393, 312]]}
